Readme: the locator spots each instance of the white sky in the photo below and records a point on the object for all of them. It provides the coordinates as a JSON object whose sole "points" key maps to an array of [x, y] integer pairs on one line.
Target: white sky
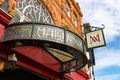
{"points": [[107, 12]]}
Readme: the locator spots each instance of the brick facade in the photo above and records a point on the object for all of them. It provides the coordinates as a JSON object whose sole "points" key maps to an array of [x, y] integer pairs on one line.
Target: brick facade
{"points": [[57, 11]]}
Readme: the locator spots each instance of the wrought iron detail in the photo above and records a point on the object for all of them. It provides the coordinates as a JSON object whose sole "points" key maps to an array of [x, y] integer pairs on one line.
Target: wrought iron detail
{"points": [[31, 11]]}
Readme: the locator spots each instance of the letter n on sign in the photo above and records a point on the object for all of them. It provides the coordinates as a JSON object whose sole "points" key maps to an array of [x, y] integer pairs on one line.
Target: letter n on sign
{"points": [[95, 39]]}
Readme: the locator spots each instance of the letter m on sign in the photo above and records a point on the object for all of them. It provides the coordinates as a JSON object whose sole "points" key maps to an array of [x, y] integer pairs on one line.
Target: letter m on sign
{"points": [[95, 39]]}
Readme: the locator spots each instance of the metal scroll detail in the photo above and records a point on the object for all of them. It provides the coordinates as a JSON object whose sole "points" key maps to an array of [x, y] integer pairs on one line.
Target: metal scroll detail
{"points": [[32, 10], [26, 10]]}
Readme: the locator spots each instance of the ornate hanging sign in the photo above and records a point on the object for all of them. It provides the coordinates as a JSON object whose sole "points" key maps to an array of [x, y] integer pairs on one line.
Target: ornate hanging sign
{"points": [[95, 38]]}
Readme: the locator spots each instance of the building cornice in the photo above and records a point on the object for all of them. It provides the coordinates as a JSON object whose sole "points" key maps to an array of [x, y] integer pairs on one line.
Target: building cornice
{"points": [[77, 7]]}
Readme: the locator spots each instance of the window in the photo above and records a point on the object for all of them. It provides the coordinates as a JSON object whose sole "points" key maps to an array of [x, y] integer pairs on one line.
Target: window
{"points": [[32, 10], [74, 20], [67, 9]]}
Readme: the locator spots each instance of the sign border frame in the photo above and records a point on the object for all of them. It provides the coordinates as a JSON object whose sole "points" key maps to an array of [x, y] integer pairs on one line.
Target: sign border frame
{"points": [[103, 36]]}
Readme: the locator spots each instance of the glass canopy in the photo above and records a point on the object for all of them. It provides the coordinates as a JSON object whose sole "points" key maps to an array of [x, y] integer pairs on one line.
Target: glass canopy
{"points": [[63, 45]]}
